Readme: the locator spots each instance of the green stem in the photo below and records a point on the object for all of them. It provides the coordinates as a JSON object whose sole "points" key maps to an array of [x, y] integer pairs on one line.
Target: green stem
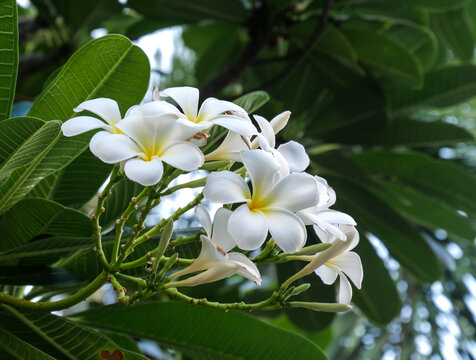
{"points": [[270, 245], [120, 222], [121, 290], [191, 185], [97, 214], [272, 303], [74, 299]]}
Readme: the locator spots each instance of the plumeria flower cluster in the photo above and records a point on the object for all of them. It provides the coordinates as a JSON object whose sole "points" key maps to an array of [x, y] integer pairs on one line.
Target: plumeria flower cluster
{"points": [[266, 197]]}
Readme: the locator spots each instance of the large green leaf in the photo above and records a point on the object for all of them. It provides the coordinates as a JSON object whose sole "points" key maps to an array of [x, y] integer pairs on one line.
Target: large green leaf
{"points": [[38, 275], [378, 299], [426, 210], [438, 5], [8, 56], [203, 333], [110, 67], [252, 101], [443, 87], [386, 56], [415, 133], [72, 340], [24, 178], [19, 349], [456, 28], [190, 11], [33, 217], [439, 178], [23, 141]]}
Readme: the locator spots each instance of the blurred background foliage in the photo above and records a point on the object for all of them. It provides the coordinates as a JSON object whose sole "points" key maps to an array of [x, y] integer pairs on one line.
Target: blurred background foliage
{"points": [[383, 96]]}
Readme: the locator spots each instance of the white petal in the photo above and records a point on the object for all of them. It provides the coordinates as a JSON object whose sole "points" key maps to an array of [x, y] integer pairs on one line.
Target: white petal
{"points": [[345, 290], [144, 172], [262, 169], [284, 167], [82, 124], [212, 107], [351, 265], [226, 187], [336, 217], [219, 271], [183, 155], [327, 275], [153, 109], [286, 229], [229, 149], [247, 268], [220, 234], [204, 219], [263, 143], [295, 192], [113, 148], [248, 228], [352, 234], [280, 121], [295, 155], [236, 124], [266, 130], [186, 97], [103, 107]]}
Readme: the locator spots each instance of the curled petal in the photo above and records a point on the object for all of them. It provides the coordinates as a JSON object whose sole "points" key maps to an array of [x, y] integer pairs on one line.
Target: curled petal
{"points": [[235, 123], [262, 169], [212, 107], [230, 148], [351, 265], [226, 187], [248, 228], [345, 290], [286, 229], [295, 192], [204, 219], [220, 234], [280, 121], [113, 148], [327, 275], [144, 172], [103, 107], [247, 268], [82, 124], [154, 109], [186, 97], [183, 155], [295, 155], [218, 272], [266, 130]]}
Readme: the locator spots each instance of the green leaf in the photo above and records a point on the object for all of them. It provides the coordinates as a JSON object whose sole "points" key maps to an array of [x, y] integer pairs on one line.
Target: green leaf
{"points": [[104, 67], [252, 101], [457, 30], [8, 56], [438, 5], [190, 11], [203, 333], [420, 40], [23, 141], [24, 178], [402, 239], [416, 133], [33, 217], [20, 349], [426, 210], [37, 275], [386, 56], [305, 319], [59, 333], [441, 179], [443, 87], [378, 299]]}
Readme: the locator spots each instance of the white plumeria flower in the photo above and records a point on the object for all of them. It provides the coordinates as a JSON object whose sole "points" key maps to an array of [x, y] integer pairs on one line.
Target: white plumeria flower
{"points": [[105, 108], [323, 219], [211, 112], [151, 135], [270, 207], [277, 123], [291, 156], [344, 263], [214, 260]]}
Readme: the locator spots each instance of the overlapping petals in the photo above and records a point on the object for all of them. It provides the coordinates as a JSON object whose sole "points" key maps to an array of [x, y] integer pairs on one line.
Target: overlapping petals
{"points": [[211, 112], [214, 262], [344, 263], [269, 207], [324, 220]]}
